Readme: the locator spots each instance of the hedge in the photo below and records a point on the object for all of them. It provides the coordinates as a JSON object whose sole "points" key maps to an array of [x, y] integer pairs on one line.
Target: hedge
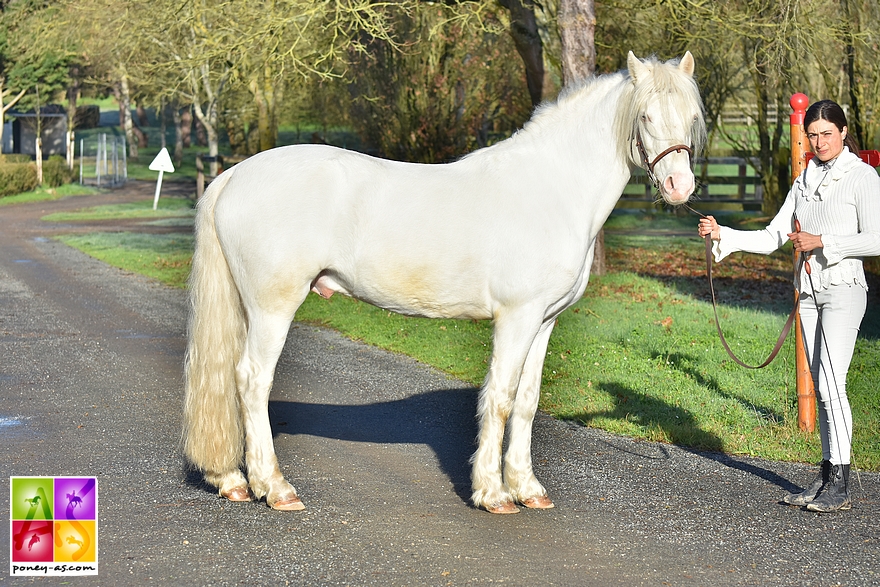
{"points": [[55, 172], [16, 178]]}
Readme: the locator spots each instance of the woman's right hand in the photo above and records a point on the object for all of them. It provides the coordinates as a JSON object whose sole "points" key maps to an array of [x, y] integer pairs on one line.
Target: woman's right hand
{"points": [[708, 225]]}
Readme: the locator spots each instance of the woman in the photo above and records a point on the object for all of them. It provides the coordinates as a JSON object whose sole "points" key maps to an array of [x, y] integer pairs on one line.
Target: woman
{"points": [[836, 201]]}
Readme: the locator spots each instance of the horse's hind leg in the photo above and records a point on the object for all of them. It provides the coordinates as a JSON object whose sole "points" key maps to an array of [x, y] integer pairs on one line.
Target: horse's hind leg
{"points": [[514, 333], [518, 473], [254, 374]]}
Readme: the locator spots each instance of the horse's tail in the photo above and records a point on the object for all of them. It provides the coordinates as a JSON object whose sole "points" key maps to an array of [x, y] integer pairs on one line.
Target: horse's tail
{"points": [[212, 429]]}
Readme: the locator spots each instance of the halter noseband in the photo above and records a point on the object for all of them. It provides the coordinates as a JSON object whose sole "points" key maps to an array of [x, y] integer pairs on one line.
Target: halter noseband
{"points": [[649, 165]]}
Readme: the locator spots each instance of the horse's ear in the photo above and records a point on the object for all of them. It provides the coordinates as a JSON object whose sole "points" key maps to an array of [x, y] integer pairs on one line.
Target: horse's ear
{"points": [[637, 69], [686, 65]]}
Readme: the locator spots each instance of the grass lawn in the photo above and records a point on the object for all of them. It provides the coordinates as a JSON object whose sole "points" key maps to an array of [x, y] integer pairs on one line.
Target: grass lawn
{"points": [[45, 194], [638, 355]]}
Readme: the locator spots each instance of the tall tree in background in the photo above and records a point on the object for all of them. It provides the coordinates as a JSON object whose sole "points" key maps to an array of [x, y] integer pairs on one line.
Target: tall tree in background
{"points": [[577, 31], [39, 71], [847, 56], [526, 38], [451, 89], [9, 96]]}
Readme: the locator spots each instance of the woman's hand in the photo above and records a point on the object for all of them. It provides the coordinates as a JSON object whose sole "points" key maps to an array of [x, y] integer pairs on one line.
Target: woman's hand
{"points": [[708, 225], [805, 242]]}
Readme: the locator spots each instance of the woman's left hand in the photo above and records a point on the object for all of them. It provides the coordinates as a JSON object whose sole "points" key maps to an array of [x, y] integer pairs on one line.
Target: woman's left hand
{"points": [[805, 242]]}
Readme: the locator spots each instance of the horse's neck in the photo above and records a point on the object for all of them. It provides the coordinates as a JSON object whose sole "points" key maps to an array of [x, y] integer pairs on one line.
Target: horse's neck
{"points": [[579, 130], [576, 143]]}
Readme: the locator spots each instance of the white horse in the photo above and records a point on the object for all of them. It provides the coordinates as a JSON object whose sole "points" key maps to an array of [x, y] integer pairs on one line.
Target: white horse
{"points": [[506, 233]]}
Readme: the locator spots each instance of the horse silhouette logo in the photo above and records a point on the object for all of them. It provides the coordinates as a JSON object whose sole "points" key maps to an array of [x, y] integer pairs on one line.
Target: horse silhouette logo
{"points": [[72, 540], [74, 500]]}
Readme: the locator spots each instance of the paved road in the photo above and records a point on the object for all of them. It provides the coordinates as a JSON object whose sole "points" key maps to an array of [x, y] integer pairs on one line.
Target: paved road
{"points": [[376, 444]]}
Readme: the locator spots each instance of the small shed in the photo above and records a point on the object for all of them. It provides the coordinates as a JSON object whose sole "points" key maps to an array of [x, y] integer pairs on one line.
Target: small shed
{"points": [[20, 131]]}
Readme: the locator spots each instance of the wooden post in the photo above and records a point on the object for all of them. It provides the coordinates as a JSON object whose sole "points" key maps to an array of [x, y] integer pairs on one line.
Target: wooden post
{"points": [[200, 177], [806, 394]]}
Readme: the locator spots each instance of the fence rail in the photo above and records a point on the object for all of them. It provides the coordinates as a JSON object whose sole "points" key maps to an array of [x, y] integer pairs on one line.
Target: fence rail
{"points": [[726, 182]]}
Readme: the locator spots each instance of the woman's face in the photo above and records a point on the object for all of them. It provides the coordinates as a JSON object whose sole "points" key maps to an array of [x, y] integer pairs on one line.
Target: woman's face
{"points": [[826, 140]]}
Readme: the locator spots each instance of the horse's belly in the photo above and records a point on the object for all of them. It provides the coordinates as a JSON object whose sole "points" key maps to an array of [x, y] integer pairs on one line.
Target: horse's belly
{"points": [[415, 296], [434, 303]]}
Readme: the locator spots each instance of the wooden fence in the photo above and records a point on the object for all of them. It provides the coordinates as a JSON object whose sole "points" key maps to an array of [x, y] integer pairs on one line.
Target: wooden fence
{"points": [[723, 183]]}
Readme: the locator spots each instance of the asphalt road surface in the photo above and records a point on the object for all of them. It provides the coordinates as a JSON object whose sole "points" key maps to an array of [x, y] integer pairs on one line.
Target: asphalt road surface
{"points": [[377, 446]]}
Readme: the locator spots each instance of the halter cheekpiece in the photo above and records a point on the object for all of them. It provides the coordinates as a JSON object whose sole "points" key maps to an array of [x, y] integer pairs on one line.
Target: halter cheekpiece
{"points": [[649, 165]]}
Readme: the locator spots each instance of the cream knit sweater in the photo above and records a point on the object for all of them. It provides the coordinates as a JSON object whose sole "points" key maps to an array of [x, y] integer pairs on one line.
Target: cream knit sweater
{"points": [[840, 202]]}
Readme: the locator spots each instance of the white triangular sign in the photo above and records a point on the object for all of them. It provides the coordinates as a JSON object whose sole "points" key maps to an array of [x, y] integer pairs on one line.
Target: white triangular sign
{"points": [[162, 162]]}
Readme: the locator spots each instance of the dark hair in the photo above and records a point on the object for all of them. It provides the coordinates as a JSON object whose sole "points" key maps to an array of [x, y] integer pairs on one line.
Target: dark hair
{"points": [[833, 113]]}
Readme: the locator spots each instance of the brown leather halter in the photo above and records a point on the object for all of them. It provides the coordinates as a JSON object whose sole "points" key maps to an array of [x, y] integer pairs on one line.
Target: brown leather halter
{"points": [[649, 165]]}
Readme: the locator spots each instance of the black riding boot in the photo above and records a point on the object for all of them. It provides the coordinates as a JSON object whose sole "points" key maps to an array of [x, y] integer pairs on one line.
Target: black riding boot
{"points": [[809, 494], [834, 496]]}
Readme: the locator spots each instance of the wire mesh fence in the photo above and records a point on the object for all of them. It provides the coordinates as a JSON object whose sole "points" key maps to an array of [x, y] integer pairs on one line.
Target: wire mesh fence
{"points": [[103, 161]]}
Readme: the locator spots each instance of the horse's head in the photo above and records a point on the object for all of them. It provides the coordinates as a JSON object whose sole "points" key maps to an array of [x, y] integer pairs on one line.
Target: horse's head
{"points": [[666, 120]]}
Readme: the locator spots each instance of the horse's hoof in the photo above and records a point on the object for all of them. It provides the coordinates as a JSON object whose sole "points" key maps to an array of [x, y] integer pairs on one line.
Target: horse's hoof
{"points": [[237, 494], [542, 502], [506, 507], [291, 504]]}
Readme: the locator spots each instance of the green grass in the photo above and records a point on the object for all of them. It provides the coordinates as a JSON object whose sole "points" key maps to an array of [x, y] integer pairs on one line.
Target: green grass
{"points": [[46, 194], [163, 257], [638, 355], [167, 208]]}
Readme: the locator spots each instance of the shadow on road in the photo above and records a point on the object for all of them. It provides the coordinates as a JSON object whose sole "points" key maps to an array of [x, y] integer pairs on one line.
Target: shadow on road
{"points": [[443, 420]]}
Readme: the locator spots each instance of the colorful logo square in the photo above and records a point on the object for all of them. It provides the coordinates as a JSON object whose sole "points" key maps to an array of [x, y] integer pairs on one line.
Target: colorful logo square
{"points": [[53, 526]]}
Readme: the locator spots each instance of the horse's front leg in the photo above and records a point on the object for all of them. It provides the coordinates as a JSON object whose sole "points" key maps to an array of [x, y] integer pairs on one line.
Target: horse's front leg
{"points": [[512, 339], [518, 473], [255, 373]]}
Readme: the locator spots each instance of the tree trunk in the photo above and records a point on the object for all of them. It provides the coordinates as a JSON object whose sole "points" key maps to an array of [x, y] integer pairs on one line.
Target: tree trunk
{"points": [[162, 123], [267, 95], [143, 141], [5, 107], [178, 134], [38, 150], [209, 119], [123, 98], [855, 117], [73, 94], [577, 29], [524, 31], [186, 120]]}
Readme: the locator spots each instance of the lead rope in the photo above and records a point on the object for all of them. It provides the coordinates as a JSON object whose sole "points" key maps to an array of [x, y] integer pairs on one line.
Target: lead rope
{"points": [[785, 329]]}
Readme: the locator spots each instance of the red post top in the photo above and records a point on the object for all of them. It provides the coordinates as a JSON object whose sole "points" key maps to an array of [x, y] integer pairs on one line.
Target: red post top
{"points": [[799, 103]]}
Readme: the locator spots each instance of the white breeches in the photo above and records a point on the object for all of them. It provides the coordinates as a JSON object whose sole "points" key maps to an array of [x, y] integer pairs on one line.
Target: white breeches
{"points": [[829, 351]]}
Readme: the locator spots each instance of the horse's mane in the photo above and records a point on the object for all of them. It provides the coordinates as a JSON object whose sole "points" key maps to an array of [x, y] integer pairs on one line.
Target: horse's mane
{"points": [[626, 96]]}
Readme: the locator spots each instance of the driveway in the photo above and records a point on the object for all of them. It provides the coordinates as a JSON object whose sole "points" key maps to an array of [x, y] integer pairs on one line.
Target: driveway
{"points": [[377, 446]]}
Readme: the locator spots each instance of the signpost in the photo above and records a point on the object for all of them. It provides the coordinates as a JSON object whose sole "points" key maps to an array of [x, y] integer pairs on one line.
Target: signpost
{"points": [[161, 163]]}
